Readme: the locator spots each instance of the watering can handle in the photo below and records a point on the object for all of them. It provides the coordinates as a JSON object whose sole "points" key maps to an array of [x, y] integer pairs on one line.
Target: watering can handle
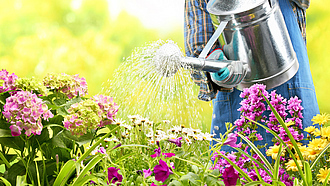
{"points": [[212, 40]]}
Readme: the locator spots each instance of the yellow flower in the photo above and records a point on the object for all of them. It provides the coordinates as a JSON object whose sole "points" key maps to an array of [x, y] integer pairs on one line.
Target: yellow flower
{"points": [[304, 151], [273, 151], [317, 132], [321, 119], [322, 174], [311, 154], [325, 132], [291, 165], [318, 144], [310, 129], [288, 124]]}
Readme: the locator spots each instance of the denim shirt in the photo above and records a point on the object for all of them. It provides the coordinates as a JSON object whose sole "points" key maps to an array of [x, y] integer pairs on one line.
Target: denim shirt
{"points": [[225, 103]]}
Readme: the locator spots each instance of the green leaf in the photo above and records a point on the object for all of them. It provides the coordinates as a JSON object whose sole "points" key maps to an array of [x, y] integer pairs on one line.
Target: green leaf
{"points": [[195, 168], [190, 179], [4, 160], [65, 173], [17, 169], [5, 133], [256, 150], [83, 173], [87, 179], [13, 142], [81, 140], [175, 183], [6, 182], [277, 164], [257, 183], [308, 173], [261, 165]]}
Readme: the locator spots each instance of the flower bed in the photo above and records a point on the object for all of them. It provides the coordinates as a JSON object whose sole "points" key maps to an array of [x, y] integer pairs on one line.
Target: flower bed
{"points": [[51, 134]]}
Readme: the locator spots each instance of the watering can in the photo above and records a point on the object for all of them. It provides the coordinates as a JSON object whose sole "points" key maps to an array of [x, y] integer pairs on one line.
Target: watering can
{"points": [[252, 32]]}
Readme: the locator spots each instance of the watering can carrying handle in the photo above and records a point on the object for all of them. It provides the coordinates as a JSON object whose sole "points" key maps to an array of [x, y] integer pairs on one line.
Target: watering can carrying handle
{"points": [[232, 73]]}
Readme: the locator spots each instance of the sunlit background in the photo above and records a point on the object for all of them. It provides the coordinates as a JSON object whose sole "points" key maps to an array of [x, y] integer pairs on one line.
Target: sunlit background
{"points": [[93, 37]]}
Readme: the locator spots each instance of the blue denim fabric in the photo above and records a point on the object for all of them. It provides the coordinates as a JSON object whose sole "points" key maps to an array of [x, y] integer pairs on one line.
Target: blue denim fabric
{"points": [[301, 85]]}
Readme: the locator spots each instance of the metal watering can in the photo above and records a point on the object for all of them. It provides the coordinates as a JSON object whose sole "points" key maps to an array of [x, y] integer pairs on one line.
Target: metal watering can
{"points": [[250, 31]]}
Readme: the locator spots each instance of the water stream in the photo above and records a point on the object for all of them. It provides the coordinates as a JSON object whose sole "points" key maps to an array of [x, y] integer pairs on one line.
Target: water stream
{"points": [[142, 85]]}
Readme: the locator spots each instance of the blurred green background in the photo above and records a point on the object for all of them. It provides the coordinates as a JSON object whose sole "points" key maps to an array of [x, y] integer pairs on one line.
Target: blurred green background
{"points": [[37, 37]]}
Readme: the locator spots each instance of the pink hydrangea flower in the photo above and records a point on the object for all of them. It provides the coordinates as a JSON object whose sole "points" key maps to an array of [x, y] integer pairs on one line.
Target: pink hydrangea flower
{"points": [[109, 109], [7, 81], [71, 86], [24, 110]]}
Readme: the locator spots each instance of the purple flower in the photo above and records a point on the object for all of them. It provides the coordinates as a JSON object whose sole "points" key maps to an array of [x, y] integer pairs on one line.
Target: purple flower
{"points": [[157, 153], [230, 177], [156, 185], [117, 146], [114, 176], [231, 140], [147, 173], [176, 141], [102, 150], [168, 155], [162, 171]]}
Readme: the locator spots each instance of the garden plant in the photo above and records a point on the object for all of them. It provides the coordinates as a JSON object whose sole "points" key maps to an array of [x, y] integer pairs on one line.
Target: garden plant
{"points": [[51, 133]]}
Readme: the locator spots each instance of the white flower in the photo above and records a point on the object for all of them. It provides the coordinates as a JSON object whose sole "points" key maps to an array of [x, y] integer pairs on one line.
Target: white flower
{"points": [[119, 121], [150, 134], [187, 140], [172, 136], [198, 137], [196, 130], [134, 117], [151, 142], [126, 126], [176, 129], [188, 131], [207, 136]]}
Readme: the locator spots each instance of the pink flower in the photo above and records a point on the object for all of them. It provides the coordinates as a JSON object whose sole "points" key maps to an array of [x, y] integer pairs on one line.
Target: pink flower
{"points": [[157, 153], [176, 141], [168, 155], [162, 171], [8, 81], [230, 177], [156, 185], [147, 173], [114, 176], [109, 109], [231, 140], [15, 130], [25, 114]]}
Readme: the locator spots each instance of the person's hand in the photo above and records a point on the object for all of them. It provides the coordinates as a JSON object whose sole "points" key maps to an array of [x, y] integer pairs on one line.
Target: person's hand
{"points": [[230, 76]]}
